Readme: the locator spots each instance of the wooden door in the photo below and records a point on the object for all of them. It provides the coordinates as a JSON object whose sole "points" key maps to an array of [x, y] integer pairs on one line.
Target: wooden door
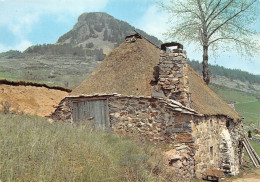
{"points": [[94, 113]]}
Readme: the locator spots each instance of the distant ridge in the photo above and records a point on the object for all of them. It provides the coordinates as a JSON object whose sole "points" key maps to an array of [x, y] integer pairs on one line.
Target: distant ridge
{"points": [[94, 35], [78, 52], [227, 72]]}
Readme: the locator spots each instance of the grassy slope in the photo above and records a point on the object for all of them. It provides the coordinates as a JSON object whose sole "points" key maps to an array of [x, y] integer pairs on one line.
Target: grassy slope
{"points": [[256, 146], [250, 111], [232, 96], [246, 104], [32, 149]]}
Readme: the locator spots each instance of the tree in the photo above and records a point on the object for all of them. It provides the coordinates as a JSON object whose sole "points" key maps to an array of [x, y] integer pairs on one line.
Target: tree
{"points": [[214, 24]]}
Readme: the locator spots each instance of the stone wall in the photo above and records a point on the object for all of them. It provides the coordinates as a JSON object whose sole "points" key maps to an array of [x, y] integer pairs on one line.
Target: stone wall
{"points": [[217, 147], [173, 76], [150, 119], [63, 111], [236, 132], [146, 118], [196, 142]]}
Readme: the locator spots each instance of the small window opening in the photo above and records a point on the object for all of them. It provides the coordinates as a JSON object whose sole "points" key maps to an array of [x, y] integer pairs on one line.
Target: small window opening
{"points": [[211, 123], [227, 124], [211, 152]]}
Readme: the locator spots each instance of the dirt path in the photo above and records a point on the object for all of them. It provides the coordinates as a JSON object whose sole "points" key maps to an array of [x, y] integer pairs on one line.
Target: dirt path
{"points": [[250, 176], [31, 100]]}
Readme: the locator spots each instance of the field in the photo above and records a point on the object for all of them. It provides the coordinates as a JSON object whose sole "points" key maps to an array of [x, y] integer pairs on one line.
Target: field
{"points": [[247, 105], [256, 146], [250, 111], [33, 149]]}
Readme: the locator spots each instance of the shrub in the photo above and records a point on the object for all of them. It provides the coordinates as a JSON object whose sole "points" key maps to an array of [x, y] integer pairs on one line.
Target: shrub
{"points": [[90, 45]]}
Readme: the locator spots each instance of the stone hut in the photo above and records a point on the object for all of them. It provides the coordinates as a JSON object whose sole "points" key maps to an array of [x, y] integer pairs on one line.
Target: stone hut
{"points": [[151, 93]]}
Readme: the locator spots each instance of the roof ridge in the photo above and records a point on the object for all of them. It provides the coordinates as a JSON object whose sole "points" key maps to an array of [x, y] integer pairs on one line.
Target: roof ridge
{"points": [[147, 39]]}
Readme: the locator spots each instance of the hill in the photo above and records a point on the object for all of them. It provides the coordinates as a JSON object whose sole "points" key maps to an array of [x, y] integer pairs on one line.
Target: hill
{"points": [[93, 35], [79, 51], [74, 55], [100, 30], [232, 78]]}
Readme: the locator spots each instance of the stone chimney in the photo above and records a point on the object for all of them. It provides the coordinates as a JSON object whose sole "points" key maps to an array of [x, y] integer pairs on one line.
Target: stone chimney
{"points": [[173, 73]]}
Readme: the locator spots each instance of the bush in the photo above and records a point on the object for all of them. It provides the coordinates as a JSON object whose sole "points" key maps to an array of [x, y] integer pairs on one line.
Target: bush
{"points": [[90, 45]]}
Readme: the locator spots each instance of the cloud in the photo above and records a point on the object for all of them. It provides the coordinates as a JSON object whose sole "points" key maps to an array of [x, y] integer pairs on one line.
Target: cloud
{"points": [[154, 22], [24, 44], [50, 6], [27, 12], [21, 46], [21, 16]]}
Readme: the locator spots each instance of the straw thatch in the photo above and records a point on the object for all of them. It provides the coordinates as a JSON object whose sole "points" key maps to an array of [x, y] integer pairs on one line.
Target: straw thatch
{"points": [[128, 70], [204, 100]]}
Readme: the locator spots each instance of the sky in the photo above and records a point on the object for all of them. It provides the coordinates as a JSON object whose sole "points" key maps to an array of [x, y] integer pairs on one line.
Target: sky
{"points": [[28, 22]]}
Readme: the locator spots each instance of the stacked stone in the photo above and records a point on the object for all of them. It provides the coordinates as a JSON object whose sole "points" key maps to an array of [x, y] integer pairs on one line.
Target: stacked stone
{"points": [[173, 76], [63, 111]]}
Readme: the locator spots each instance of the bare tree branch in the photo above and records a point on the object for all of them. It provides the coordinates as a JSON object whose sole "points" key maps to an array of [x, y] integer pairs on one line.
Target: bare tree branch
{"points": [[230, 18], [210, 22], [230, 38], [213, 11], [209, 5], [225, 7]]}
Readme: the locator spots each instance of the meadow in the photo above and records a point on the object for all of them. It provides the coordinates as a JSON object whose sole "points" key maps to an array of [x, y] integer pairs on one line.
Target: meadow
{"points": [[247, 105], [32, 149]]}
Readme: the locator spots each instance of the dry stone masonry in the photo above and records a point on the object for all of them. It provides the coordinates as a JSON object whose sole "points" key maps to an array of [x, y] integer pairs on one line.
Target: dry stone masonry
{"points": [[197, 142], [173, 74]]}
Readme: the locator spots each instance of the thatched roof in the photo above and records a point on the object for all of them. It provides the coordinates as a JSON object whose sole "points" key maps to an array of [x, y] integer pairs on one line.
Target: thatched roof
{"points": [[128, 70], [204, 100]]}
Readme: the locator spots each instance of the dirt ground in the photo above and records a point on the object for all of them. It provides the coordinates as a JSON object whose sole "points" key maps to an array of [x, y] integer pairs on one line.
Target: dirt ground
{"points": [[249, 176], [30, 100]]}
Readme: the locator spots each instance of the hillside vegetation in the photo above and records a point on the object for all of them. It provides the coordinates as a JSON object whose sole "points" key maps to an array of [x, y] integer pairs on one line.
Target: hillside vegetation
{"points": [[34, 150], [247, 105], [75, 54], [101, 26], [233, 74], [232, 78]]}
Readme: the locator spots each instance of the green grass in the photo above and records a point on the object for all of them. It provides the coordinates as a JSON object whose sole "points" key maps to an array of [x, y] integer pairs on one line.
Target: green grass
{"points": [[252, 107], [250, 111], [11, 74], [232, 96], [247, 160], [32, 149], [256, 146]]}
